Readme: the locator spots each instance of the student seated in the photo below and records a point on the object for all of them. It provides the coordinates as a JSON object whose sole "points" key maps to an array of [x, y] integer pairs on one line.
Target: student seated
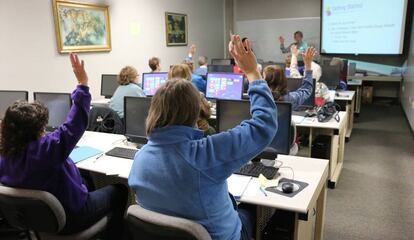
{"points": [[202, 62], [293, 69], [155, 64], [32, 159], [276, 79], [197, 80], [183, 71], [181, 173], [128, 87]]}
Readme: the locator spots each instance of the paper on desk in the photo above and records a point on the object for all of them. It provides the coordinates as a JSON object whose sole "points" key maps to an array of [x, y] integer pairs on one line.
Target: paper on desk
{"points": [[297, 119], [237, 184], [264, 182]]}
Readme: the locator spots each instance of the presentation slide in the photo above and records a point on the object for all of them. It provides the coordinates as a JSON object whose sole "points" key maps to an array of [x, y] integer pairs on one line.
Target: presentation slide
{"points": [[363, 26]]}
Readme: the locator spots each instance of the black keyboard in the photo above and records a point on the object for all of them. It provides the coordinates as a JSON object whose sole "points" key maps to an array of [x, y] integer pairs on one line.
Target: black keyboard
{"points": [[127, 153], [255, 169]]}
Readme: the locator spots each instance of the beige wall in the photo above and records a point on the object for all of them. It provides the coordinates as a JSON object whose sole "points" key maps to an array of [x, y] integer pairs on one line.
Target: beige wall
{"points": [[407, 89], [29, 59], [276, 9]]}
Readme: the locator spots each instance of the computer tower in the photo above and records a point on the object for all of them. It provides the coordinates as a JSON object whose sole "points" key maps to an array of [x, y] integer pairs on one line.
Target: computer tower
{"points": [[321, 147], [281, 226]]}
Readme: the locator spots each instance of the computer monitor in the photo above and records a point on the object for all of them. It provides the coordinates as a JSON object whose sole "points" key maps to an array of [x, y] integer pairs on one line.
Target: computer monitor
{"points": [[109, 84], [295, 83], [224, 86], [352, 69], [59, 105], [220, 68], [331, 76], [7, 98], [135, 114], [232, 113], [152, 81], [217, 61]]}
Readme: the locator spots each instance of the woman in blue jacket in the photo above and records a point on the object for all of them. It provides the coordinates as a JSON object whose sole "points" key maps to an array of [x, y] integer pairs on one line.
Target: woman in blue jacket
{"points": [[276, 79], [181, 173]]}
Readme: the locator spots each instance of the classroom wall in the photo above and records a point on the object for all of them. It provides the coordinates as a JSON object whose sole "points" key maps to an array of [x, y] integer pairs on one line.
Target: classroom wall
{"points": [[407, 88], [29, 58], [272, 9]]}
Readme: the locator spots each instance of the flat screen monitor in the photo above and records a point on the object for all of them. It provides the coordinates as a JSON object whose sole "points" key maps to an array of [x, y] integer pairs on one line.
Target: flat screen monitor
{"points": [[224, 86], [220, 68], [152, 81], [232, 113], [331, 76], [295, 83], [7, 98], [109, 84], [59, 105], [221, 61], [135, 115], [352, 69]]}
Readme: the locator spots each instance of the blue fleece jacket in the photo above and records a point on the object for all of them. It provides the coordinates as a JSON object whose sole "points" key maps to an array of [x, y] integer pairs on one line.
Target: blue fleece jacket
{"points": [[181, 173]]}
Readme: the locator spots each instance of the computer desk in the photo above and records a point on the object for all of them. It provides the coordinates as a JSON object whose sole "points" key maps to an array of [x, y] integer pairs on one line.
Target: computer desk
{"points": [[337, 131], [347, 98], [356, 85], [311, 200], [104, 102]]}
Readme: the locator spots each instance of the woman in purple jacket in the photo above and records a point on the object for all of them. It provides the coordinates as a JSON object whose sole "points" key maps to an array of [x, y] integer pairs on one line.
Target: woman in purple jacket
{"points": [[32, 159]]}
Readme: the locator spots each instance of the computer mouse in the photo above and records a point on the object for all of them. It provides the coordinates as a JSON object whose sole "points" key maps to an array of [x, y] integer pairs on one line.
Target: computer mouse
{"points": [[287, 187]]}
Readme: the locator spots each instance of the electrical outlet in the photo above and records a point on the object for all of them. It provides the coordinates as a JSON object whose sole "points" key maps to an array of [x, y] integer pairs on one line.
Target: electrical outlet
{"points": [[403, 88], [412, 104]]}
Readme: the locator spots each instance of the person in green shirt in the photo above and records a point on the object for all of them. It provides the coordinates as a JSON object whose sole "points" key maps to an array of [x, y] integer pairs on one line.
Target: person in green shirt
{"points": [[299, 43]]}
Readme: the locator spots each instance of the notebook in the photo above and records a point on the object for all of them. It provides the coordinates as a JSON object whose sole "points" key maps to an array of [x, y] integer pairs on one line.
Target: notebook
{"points": [[82, 153], [238, 184]]}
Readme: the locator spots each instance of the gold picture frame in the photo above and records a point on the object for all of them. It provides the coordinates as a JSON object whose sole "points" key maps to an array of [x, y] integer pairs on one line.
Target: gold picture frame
{"points": [[81, 27], [176, 29]]}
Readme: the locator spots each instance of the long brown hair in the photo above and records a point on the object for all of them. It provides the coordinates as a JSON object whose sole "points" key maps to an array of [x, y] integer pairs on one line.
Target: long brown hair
{"points": [[175, 103], [23, 123], [276, 79]]}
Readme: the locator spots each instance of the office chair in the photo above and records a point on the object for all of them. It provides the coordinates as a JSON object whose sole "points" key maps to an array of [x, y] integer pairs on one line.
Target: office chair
{"points": [[148, 225], [39, 212]]}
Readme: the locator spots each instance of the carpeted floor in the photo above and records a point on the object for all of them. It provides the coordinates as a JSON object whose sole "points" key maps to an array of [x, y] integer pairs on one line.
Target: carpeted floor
{"points": [[374, 198]]}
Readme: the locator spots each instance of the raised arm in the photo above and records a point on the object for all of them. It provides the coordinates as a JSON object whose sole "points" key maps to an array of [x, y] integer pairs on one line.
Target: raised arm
{"points": [[64, 139], [294, 71], [228, 151], [191, 52], [298, 97], [282, 45]]}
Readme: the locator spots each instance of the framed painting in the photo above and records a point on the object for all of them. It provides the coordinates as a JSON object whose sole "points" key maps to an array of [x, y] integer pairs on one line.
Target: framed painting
{"points": [[81, 27], [176, 29]]}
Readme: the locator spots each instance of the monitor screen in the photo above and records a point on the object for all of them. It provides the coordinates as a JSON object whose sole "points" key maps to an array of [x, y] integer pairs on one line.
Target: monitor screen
{"points": [[221, 62], [331, 76], [7, 98], [232, 113], [363, 26], [59, 105], [136, 112], [152, 81], [109, 84], [224, 86], [220, 68]]}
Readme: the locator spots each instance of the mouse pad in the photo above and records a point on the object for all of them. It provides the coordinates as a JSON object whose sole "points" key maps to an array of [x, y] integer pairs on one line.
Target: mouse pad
{"points": [[298, 187]]}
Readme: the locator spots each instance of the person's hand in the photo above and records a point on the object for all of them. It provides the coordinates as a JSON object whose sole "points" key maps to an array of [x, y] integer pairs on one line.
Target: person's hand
{"points": [[294, 50], [308, 57], [79, 69], [281, 40], [193, 50], [244, 57]]}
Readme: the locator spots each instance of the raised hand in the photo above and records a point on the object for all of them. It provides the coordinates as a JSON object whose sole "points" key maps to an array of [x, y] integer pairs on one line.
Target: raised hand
{"points": [[308, 57], [79, 69], [294, 50], [281, 40], [244, 57], [193, 49]]}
